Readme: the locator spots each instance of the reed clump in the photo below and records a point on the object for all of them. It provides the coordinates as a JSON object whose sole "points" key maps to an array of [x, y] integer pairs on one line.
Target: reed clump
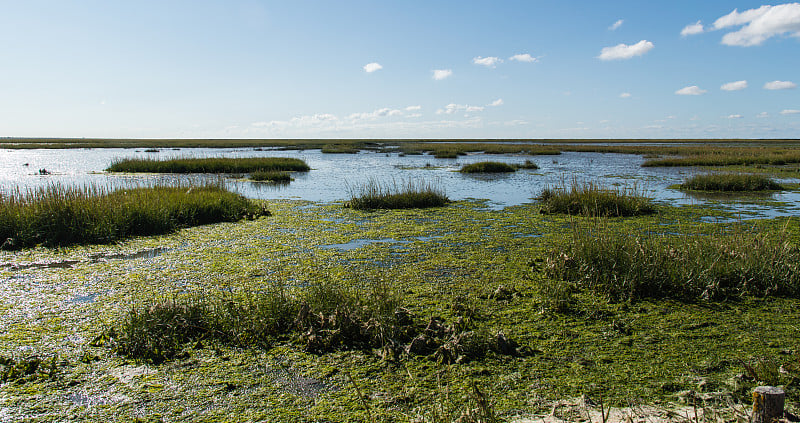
{"points": [[58, 215], [591, 199], [625, 266], [731, 182], [406, 195], [209, 165], [488, 167], [270, 176]]}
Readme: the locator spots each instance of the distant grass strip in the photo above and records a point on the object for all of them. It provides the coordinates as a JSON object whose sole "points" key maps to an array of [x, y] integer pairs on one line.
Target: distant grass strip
{"points": [[488, 167], [591, 199], [270, 176], [731, 157], [408, 195], [59, 216], [339, 149], [209, 165], [624, 266], [731, 182]]}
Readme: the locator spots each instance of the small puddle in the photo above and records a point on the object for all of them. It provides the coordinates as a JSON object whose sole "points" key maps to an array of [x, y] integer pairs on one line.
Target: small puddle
{"points": [[83, 299]]}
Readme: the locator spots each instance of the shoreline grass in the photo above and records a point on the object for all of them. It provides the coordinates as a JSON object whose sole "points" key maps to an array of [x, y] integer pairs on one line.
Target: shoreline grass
{"points": [[594, 200], [630, 266], [208, 165], [488, 167], [730, 182], [407, 195], [57, 216]]}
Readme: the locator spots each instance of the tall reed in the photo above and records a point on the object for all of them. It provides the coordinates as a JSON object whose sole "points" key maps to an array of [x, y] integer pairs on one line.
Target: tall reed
{"points": [[58, 215]]}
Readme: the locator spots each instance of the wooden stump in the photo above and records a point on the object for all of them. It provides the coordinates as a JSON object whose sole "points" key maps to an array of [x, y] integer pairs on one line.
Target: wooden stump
{"points": [[767, 404]]}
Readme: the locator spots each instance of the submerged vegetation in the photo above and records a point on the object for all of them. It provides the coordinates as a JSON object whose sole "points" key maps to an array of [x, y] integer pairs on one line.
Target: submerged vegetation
{"points": [[487, 167], [209, 165], [731, 182], [57, 215], [406, 195], [592, 199], [626, 266]]}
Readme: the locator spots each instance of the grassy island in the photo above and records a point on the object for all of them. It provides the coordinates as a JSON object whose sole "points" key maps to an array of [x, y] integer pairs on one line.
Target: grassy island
{"points": [[209, 165]]}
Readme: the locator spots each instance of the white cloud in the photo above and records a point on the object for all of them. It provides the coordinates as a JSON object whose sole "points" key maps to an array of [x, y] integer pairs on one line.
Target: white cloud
{"points": [[692, 29], [413, 108], [691, 90], [790, 112], [759, 25], [736, 116], [490, 61], [524, 57], [498, 102], [780, 85], [372, 67], [615, 25], [734, 86], [625, 95], [624, 51], [384, 112], [439, 74], [762, 115], [454, 108]]}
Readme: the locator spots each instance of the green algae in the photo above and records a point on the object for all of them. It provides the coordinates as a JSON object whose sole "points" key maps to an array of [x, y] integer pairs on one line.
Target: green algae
{"points": [[451, 262]]}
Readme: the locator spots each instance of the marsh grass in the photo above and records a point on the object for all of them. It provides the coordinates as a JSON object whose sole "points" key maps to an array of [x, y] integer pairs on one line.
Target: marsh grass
{"points": [[339, 149], [731, 182], [592, 199], [488, 167], [57, 215], [406, 195], [528, 164], [270, 176], [209, 165], [625, 266]]}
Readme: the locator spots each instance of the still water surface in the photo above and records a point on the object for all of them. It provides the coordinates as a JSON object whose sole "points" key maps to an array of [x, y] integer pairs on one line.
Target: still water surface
{"points": [[333, 175]]}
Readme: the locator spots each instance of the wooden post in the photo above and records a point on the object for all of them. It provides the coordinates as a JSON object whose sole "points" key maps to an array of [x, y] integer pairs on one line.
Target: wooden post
{"points": [[767, 404]]}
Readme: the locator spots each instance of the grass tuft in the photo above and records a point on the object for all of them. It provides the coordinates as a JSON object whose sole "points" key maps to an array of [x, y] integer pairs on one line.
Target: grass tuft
{"points": [[591, 199], [408, 195], [731, 182], [270, 176], [208, 165], [624, 266], [58, 216], [488, 167]]}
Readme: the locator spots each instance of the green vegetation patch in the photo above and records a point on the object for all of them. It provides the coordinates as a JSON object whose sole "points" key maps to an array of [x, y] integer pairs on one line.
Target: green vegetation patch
{"points": [[731, 182], [339, 149], [209, 165], [270, 176], [488, 167], [408, 195], [58, 216], [591, 199]]}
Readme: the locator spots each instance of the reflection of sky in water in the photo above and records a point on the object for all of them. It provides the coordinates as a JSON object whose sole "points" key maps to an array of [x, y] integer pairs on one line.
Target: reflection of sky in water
{"points": [[332, 175]]}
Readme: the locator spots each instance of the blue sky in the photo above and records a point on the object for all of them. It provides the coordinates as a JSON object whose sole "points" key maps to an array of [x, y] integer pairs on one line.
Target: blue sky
{"points": [[400, 69]]}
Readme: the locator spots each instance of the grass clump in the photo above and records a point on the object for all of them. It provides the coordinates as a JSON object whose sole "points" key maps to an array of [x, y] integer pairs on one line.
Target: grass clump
{"points": [[209, 165], [623, 266], [731, 182], [409, 195], [58, 216], [528, 164], [591, 199], [270, 176], [488, 167]]}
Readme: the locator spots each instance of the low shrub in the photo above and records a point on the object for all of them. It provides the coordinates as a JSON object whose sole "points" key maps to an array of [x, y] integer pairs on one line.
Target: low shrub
{"points": [[730, 182], [376, 195], [590, 199]]}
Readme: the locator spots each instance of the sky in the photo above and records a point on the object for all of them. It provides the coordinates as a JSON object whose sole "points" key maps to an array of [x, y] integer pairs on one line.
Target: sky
{"points": [[399, 69]]}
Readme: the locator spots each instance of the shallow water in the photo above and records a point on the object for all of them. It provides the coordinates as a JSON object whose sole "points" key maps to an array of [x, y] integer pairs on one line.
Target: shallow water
{"points": [[334, 176]]}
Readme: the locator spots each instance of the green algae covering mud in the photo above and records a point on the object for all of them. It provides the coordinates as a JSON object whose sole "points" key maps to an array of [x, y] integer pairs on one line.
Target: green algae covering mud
{"points": [[462, 262]]}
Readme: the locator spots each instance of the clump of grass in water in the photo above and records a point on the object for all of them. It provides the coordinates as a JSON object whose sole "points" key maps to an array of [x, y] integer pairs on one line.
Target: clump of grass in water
{"points": [[731, 182], [623, 266], [528, 164], [58, 216], [339, 149], [488, 167], [591, 199], [408, 195], [270, 176], [208, 165]]}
